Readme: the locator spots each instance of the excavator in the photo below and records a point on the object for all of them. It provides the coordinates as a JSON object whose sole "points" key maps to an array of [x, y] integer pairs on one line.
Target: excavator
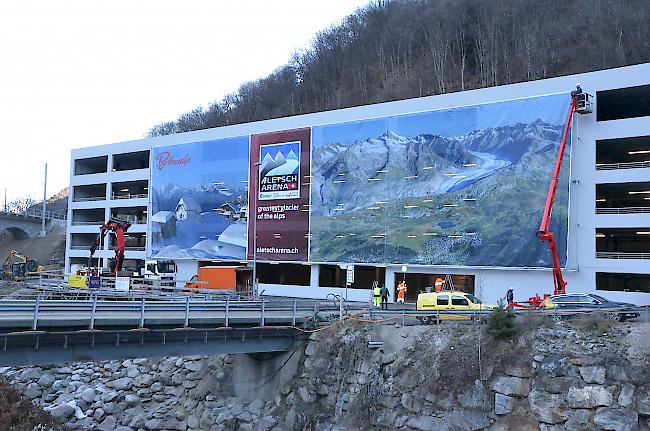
{"points": [[18, 271], [117, 227], [580, 104]]}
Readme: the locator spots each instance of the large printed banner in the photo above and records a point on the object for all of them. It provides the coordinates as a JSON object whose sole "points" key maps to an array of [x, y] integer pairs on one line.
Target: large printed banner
{"points": [[279, 195], [463, 186], [199, 200], [455, 187]]}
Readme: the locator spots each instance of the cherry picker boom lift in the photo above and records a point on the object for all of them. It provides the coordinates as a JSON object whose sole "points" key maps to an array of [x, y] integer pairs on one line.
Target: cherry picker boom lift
{"points": [[117, 227], [581, 104]]}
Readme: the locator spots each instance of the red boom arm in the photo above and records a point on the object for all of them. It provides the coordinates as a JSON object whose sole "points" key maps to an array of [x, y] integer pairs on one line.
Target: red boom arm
{"points": [[544, 229], [118, 228]]}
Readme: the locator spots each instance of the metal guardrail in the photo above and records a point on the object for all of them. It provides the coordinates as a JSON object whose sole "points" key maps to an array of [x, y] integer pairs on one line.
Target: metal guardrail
{"points": [[130, 196], [624, 210], [621, 255], [37, 214], [627, 165], [99, 223], [89, 199], [55, 284], [54, 314]]}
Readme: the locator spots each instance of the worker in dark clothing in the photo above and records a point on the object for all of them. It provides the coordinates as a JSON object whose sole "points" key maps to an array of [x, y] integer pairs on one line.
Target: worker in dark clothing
{"points": [[384, 297], [577, 91], [579, 97], [510, 296]]}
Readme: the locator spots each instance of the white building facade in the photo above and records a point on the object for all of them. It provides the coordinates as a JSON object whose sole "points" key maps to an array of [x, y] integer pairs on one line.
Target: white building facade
{"points": [[609, 206]]}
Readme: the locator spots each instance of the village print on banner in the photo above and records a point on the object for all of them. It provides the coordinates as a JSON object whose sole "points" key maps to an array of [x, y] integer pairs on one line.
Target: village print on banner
{"points": [[199, 200]]}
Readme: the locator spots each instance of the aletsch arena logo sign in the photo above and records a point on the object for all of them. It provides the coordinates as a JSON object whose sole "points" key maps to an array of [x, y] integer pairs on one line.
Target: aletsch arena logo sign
{"points": [[279, 176]]}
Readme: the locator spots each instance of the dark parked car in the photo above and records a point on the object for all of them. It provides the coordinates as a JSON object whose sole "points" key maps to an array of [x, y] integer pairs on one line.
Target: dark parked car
{"points": [[584, 302]]}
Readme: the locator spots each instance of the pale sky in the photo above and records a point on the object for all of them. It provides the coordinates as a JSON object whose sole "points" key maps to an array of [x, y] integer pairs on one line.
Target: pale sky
{"points": [[78, 73]]}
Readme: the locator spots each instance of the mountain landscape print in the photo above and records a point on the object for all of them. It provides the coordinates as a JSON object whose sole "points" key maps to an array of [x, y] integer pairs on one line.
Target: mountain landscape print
{"points": [[461, 187], [199, 200]]}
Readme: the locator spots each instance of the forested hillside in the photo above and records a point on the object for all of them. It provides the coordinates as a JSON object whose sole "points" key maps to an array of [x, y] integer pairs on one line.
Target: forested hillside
{"points": [[398, 49]]}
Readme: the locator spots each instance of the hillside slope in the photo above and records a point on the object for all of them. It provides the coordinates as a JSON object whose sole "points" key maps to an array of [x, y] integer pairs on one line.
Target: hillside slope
{"points": [[399, 49]]}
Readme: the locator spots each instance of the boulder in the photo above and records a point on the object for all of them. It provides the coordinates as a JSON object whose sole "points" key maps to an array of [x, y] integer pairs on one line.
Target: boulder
{"points": [[123, 384], [33, 390], [428, 423], [593, 374], [173, 424], [579, 420], [132, 371], [46, 380], [245, 417], [475, 398], [643, 401], [554, 385], [626, 396], [546, 407], [617, 373], [616, 419], [467, 420], [589, 397], [88, 395], [518, 371], [515, 423], [154, 424], [267, 423], [193, 366], [30, 374], [132, 400], [63, 412], [108, 424], [503, 404], [108, 396], [143, 381], [193, 422], [411, 403], [511, 386], [305, 395], [557, 366], [98, 414]]}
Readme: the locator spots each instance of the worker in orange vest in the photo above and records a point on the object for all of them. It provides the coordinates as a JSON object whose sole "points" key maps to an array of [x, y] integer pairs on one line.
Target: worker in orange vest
{"points": [[401, 291], [439, 283]]}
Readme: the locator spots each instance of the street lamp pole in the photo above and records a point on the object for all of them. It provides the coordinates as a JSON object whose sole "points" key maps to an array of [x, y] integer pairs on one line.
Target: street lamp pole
{"points": [[254, 213]]}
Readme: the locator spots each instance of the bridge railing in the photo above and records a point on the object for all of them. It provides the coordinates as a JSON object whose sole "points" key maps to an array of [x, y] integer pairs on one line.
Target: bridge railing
{"points": [[56, 283], [46, 314], [36, 214]]}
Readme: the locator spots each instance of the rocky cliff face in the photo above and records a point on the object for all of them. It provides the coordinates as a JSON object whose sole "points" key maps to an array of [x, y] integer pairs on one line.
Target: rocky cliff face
{"points": [[580, 376]]}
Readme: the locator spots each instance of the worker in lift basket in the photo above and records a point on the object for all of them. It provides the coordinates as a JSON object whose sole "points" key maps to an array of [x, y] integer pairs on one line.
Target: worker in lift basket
{"points": [[510, 296], [376, 294]]}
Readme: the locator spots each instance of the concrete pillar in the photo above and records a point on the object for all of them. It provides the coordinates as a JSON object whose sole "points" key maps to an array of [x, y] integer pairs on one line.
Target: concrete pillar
{"points": [[313, 277], [389, 281]]}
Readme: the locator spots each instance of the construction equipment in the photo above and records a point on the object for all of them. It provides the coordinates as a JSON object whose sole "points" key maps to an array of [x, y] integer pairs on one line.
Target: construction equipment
{"points": [[118, 228], [214, 277], [17, 271], [163, 271], [581, 104]]}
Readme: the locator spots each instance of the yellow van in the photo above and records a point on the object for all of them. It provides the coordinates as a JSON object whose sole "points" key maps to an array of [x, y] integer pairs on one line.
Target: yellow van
{"points": [[448, 300]]}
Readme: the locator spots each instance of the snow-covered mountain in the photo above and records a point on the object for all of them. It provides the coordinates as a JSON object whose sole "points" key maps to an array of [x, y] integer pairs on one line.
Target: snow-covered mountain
{"points": [[360, 174]]}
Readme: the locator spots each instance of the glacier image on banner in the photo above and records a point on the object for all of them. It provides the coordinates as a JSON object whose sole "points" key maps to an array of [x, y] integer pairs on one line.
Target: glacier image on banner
{"points": [[457, 187], [199, 200]]}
